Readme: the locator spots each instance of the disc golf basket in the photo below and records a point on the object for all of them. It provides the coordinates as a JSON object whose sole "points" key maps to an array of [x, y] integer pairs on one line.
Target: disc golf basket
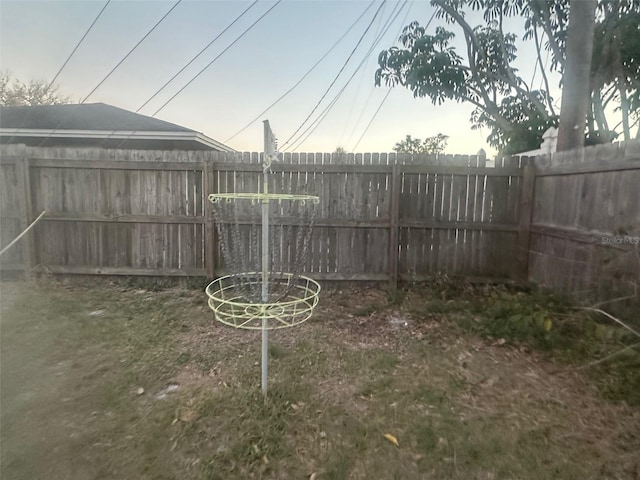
{"points": [[264, 289]]}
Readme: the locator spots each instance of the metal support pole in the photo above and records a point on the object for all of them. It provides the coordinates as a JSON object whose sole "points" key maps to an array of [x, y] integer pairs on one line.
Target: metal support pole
{"points": [[265, 287], [269, 150]]}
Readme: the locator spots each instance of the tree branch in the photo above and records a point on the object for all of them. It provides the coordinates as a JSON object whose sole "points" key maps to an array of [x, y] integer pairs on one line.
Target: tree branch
{"points": [[545, 21], [472, 46], [544, 74], [598, 111]]}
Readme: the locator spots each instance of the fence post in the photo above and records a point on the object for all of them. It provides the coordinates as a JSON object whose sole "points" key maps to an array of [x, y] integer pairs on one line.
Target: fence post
{"points": [[524, 222], [394, 216], [23, 164], [209, 227]]}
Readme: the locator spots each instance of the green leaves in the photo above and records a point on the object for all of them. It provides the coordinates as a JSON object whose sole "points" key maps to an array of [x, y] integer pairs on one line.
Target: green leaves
{"points": [[427, 65], [430, 145]]}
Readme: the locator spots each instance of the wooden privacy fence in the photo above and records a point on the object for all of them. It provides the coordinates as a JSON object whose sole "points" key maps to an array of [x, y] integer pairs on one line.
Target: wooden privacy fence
{"points": [[380, 217], [585, 222], [570, 222]]}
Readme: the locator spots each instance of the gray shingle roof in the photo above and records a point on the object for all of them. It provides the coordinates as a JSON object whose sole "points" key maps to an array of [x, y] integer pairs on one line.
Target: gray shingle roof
{"points": [[97, 124], [92, 116]]}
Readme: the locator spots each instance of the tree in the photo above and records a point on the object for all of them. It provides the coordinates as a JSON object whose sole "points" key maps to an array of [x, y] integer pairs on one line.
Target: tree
{"points": [[430, 145], [13, 92], [575, 95], [340, 154], [515, 113]]}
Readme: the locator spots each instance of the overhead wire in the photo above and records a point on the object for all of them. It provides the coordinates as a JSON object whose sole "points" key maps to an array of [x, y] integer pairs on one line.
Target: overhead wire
{"points": [[55, 77], [360, 80], [216, 58], [375, 114], [320, 118], [304, 76], [372, 119], [114, 69], [311, 128], [337, 75], [206, 67], [307, 133], [196, 56], [366, 103], [95, 20], [131, 51]]}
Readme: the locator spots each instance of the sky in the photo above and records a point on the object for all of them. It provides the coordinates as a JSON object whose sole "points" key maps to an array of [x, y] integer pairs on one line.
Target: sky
{"points": [[37, 37]]}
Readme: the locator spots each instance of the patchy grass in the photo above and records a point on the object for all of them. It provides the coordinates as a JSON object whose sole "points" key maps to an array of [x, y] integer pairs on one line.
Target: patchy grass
{"points": [[533, 318], [116, 382]]}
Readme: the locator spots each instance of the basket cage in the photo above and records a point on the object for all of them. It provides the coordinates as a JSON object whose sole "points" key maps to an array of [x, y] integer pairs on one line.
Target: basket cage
{"points": [[239, 238]]}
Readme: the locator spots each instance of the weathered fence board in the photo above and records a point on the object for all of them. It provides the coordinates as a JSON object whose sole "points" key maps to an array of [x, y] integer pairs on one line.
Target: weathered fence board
{"points": [[585, 222], [137, 212], [380, 216]]}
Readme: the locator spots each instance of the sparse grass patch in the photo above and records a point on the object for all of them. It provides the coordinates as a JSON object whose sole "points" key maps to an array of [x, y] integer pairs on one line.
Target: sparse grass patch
{"points": [[459, 406], [366, 310], [536, 319]]}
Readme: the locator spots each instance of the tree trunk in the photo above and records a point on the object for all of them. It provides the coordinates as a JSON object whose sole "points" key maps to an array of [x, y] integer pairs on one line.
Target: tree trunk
{"points": [[575, 90]]}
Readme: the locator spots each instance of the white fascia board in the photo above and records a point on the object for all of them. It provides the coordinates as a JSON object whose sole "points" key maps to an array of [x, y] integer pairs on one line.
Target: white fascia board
{"points": [[118, 134]]}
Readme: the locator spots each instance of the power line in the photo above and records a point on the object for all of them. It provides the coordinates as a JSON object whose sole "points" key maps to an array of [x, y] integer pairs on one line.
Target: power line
{"points": [[386, 96], [185, 67], [131, 51], [325, 112], [303, 77], [338, 74], [69, 58], [113, 69], [360, 80], [194, 58], [311, 128], [364, 107], [216, 58], [207, 66], [372, 119], [55, 77]]}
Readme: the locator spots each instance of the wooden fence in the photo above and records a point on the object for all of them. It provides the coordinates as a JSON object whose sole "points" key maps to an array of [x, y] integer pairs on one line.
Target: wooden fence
{"points": [[585, 222], [569, 222], [380, 217]]}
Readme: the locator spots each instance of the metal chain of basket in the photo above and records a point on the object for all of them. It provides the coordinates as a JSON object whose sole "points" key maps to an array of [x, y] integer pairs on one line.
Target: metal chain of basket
{"points": [[239, 237]]}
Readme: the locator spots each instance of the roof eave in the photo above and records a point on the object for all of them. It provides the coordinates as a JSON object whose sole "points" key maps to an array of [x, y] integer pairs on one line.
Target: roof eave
{"points": [[118, 134]]}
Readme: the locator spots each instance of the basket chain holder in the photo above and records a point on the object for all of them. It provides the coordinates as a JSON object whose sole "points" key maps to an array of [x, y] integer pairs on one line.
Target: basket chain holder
{"points": [[256, 295]]}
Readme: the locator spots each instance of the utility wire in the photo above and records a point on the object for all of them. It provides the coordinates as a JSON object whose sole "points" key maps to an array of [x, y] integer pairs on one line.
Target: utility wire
{"points": [[303, 77], [77, 45], [113, 70], [300, 140], [67, 61], [184, 68], [131, 51], [361, 79], [216, 58], [386, 96], [372, 119], [366, 103], [195, 58], [206, 67], [311, 128], [338, 74]]}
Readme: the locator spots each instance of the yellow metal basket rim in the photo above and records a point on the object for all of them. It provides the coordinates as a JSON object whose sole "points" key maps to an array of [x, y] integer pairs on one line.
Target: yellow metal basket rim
{"points": [[246, 315], [312, 292]]}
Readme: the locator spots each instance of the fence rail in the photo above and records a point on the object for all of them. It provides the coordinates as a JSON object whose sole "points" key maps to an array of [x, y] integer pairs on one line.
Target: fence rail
{"points": [[381, 217], [585, 222]]}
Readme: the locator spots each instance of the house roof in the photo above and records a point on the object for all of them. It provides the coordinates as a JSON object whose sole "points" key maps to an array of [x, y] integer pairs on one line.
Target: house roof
{"points": [[86, 123]]}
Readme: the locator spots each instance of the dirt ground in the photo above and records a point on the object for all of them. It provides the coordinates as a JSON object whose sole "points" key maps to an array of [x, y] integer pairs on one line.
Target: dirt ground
{"points": [[110, 381]]}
